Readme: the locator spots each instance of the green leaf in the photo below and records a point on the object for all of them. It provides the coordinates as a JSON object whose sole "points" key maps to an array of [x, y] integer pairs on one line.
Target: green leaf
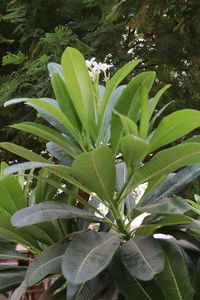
{"points": [[117, 78], [49, 211], [99, 165], [88, 255], [173, 184], [11, 196], [145, 112], [130, 286], [54, 112], [63, 158], [193, 139], [11, 282], [46, 264], [129, 125], [47, 134], [19, 292], [134, 150], [23, 152], [174, 126], [129, 105], [174, 279], [173, 205], [45, 233], [79, 86], [87, 290], [169, 220], [142, 257], [8, 251], [107, 115], [167, 161], [157, 97], [8, 232], [64, 101], [197, 291]]}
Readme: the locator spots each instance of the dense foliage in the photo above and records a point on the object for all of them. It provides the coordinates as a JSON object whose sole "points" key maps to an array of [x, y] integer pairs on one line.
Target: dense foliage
{"points": [[104, 142], [164, 34]]}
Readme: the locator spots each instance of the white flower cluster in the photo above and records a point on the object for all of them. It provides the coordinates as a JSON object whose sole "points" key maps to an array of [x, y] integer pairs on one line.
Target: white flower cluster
{"points": [[96, 68]]}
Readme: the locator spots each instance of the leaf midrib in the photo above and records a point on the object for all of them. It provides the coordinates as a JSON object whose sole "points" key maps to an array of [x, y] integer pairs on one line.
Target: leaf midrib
{"points": [[166, 132], [167, 167], [89, 254]]}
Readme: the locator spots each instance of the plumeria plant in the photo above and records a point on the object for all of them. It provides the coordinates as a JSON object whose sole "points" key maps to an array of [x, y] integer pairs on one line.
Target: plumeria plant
{"points": [[106, 144]]}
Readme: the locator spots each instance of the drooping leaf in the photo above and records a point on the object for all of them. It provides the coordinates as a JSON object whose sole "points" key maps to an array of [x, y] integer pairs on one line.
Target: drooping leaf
{"points": [[88, 255], [168, 220], [7, 231], [169, 160], [175, 126], [133, 149], [99, 166], [174, 205], [174, 280], [7, 251], [49, 211], [54, 112], [47, 134], [173, 184], [142, 257], [46, 264], [12, 281], [63, 158]]}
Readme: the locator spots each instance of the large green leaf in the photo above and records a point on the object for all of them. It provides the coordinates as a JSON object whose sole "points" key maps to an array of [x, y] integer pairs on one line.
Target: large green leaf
{"points": [[129, 105], [48, 134], [129, 126], [49, 211], [11, 195], [133, 149], [79, 86], [64, 101], [174, 280], [175, 126], [173, 184], [167, 161], [142, 257], [46, 264], [130, 286], [88, 255], [96, 170]]}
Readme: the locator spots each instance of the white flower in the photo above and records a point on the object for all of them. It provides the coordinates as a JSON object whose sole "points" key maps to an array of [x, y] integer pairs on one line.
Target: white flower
{"points": [[104, 66], [89, 63]]}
